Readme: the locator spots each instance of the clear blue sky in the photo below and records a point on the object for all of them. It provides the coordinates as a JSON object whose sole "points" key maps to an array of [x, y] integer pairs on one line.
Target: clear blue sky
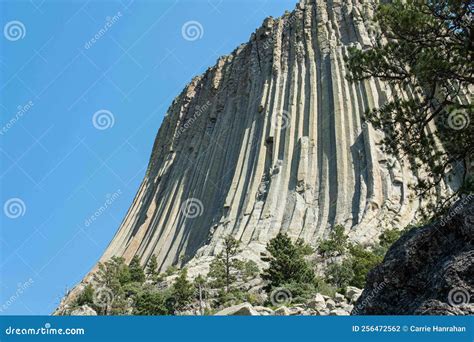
{"points": [[57, 169]]}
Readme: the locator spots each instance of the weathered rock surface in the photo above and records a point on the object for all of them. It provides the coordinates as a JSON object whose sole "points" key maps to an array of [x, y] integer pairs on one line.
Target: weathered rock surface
{"points": [[429, 271], [353, 293], [84, 310], [244, 309]]}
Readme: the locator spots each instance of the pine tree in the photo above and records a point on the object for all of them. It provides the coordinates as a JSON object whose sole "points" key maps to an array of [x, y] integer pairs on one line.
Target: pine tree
{"points": [[200, 284], [182, 291], [224, 267], [287, 263], [152, 302], [429, 52], [136, 270], [109, 281], [152, 269], [336, 244], [87, 296]]}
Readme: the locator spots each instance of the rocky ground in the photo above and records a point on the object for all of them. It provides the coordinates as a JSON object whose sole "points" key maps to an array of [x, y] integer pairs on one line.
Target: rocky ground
{"points": [[319, 305]]}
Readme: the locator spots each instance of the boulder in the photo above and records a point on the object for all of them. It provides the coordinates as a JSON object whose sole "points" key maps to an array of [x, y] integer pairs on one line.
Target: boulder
{"points": [[244, 309], [330, 304], [297, 310], [84, 310], [353, 293], [264, 311], [428, 271], [339, 312], [317, 302], [339, 298], [323, 312], [282, 311]]}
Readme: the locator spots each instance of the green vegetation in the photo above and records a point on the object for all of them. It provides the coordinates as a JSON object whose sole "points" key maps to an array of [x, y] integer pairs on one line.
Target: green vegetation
{"points": [[87, 296], [287, 264], [136, 271], [152, 270], [152, 303], [336, 244], [182, 291], [429, 51], [355, 260], [120, 289], [225, 266]]}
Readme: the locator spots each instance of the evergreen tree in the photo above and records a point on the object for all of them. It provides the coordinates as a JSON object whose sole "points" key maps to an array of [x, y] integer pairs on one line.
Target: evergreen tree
{"points": [[336, 244], [182, 291], [136, 270], [200, 284], [109, 281], [287, 263], [152, 302], [340, 274], [362, 260], [152, 269], [87, 296], [429, 51], [224, 267]]}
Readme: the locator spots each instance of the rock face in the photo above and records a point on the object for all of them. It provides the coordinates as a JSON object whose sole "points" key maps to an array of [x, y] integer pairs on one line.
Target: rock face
{"points": [[429, 271], [84, 311], [244, 309], [271, 139]]}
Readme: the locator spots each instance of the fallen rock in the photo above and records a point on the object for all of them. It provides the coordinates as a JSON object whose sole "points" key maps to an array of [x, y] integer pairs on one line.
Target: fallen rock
{"points": [[264, 311], [282, 311], [339, 298], [84, 310], [323, 312], [353, 293], [297, 310], [330, 304], [339, 312], [244, 309], [317, 302]]}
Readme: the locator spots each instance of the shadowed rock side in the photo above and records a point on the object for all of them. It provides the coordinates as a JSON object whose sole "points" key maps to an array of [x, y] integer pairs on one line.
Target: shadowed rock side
{"points": [[429, 271], [271, 139]]}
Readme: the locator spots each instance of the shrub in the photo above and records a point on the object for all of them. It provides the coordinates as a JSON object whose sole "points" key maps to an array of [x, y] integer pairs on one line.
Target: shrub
{"points": [[336, 244], [136, 271], [287, 263]]}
